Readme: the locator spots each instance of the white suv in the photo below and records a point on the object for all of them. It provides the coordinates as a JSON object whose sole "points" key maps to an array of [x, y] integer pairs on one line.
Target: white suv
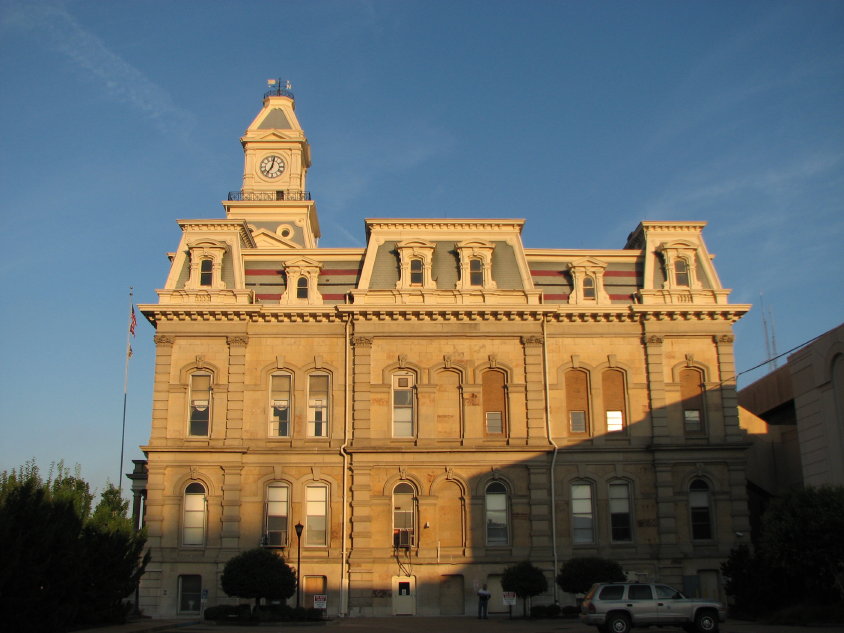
{"points": [[615, 607]]}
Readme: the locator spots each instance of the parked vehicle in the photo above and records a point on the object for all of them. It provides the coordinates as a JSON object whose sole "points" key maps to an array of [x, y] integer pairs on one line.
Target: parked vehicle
{"points": [[615, 607]]}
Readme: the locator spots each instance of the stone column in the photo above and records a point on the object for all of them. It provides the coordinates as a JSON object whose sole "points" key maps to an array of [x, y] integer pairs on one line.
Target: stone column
{"points": [[230, 533], [161, 386]]}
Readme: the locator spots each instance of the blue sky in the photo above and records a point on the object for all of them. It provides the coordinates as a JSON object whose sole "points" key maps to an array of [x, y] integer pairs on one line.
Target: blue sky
{"points": [[117, 118]]}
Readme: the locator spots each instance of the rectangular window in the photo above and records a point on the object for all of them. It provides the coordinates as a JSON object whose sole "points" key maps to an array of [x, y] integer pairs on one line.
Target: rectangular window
{"points": [[316, 522], [494, 423], [276, 527], [582, 514], [577, 421], [476, 272], [691, 394], [691, 419], [620, 523], [403, 413], [206, 272], [496, 515], [200, 405], [615, 421], [280, 405], [416, 272], [318, 405], [190, 593]]}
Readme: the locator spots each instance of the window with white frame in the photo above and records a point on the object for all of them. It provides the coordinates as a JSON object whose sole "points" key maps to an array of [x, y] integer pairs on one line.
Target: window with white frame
{"points": [[497, 514], [588, 287], [404, 398], [190, 593], [318, 405], [316, 519], [681, 272], [302, 288], [417, 272], [195, 509], [199, 414], [280, 404], [275, 515], [621, 524], [404, 515], [206, 272], [582, 513], [476, 272], [700, 510]]}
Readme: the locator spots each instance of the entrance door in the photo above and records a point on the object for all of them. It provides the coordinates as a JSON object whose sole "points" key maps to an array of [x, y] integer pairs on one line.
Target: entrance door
{"points": [[404, 595], [451, 595]]}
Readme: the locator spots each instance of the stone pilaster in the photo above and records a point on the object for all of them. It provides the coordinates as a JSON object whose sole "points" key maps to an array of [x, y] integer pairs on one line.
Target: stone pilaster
{"points": [[727, 378], [666, 511], [161, 386], [230, 534], [535, 396], [237, 372], [655, 368], [361, 390]]}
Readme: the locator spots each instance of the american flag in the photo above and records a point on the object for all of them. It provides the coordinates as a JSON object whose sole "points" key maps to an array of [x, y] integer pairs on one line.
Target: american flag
{"points": [[133, 322]]}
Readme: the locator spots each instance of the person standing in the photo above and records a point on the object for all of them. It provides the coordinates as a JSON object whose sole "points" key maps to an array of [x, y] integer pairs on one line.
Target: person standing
{"points": [[483, 599]]}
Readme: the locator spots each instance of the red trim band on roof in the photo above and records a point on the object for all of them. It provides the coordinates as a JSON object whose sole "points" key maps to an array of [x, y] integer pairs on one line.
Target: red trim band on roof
{"points": [[555, 297]]}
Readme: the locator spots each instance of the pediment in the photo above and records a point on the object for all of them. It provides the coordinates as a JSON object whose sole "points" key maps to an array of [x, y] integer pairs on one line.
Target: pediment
{"points": [[587, 262], [302, 262], [268, 239]]}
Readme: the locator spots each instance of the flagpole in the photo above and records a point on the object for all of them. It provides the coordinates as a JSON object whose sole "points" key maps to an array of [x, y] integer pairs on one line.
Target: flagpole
{"points": [[130, 330]]}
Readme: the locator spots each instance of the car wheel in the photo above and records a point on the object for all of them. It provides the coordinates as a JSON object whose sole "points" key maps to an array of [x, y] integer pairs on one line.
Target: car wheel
{"points": [[618, 623], [706, 622]]}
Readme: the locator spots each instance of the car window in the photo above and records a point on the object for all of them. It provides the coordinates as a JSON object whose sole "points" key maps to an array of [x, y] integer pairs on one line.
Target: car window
{"points": [[664, 592], [640, 592], [612, 592]]}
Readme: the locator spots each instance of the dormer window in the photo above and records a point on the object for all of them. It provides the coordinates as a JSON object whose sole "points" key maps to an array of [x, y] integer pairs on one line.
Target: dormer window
{"points": [[588, 287], [475, 264], [476, 272], [415, 263], [681, 272], [206, 274], [302, 288], [416, 272]]}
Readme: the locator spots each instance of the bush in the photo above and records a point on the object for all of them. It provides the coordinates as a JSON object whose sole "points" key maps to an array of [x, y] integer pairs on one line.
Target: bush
{"points": [[222, 612], [579, 574], [314, 614], [545, 611]]}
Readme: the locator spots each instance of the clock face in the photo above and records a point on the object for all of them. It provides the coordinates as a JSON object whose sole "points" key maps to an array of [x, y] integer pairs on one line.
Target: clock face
{"points": [[272, 166]]}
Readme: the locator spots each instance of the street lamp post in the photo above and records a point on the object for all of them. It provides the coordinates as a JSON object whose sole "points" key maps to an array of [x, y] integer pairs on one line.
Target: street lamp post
{"points": [[299, 527]]}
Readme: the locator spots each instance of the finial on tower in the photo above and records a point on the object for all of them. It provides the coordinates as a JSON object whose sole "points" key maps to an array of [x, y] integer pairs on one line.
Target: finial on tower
{"points": [[276, 89]]}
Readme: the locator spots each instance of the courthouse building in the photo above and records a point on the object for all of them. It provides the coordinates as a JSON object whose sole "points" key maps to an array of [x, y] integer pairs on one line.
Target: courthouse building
{"points": [[435, 406]]}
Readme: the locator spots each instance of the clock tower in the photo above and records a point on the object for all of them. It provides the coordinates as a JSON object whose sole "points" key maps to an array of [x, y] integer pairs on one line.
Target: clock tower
{"points": [[274, 199]]}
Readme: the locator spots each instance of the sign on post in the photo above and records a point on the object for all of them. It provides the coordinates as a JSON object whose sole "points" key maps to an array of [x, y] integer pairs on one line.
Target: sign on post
{"points": [[320, 601], [509, 598]]}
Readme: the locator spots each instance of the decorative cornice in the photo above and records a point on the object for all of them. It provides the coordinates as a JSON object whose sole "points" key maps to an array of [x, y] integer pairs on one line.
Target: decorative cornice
{"points": [[443, 224], [362, 341], [218, 226], [724, 338], [652, 339], [237, 340], [531, 340], [163, 339]]}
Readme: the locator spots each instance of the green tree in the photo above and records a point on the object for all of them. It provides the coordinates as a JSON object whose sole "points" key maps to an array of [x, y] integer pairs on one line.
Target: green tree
{"points": [[59, 567], [577, 575], [526, 580], [258, 573]]}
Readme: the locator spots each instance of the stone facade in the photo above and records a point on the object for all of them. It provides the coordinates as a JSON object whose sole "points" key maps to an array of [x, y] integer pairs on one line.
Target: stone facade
{"points": [[434, 407]]}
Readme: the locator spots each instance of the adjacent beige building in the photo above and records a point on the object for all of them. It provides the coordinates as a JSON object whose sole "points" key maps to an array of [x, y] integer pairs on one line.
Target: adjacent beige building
{"points": [[435, 406]]}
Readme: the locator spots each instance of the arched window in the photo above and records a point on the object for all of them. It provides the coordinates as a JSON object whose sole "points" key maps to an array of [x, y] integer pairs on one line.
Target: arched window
{"points": [[404, 398], [577, 400], [588, 287], [416, 272], [497, 515], [280, 405], [621, 523], [476, 272], [316, 518], [582, 513], [302, 288], [681, 272], [614, 400], [206, 272], [691, 395], [494, 397], [404, 515], [199, 415], [318, 405], [275, 515], [194, 515], [700, 510]]}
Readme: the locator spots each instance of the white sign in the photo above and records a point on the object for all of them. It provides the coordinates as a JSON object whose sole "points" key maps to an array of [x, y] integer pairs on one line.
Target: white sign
{"points": [[509, 598], [320, 601]]}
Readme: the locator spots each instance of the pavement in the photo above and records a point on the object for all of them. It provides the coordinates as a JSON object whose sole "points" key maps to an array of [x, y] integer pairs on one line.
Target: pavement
{"points": [[416, 624]]}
